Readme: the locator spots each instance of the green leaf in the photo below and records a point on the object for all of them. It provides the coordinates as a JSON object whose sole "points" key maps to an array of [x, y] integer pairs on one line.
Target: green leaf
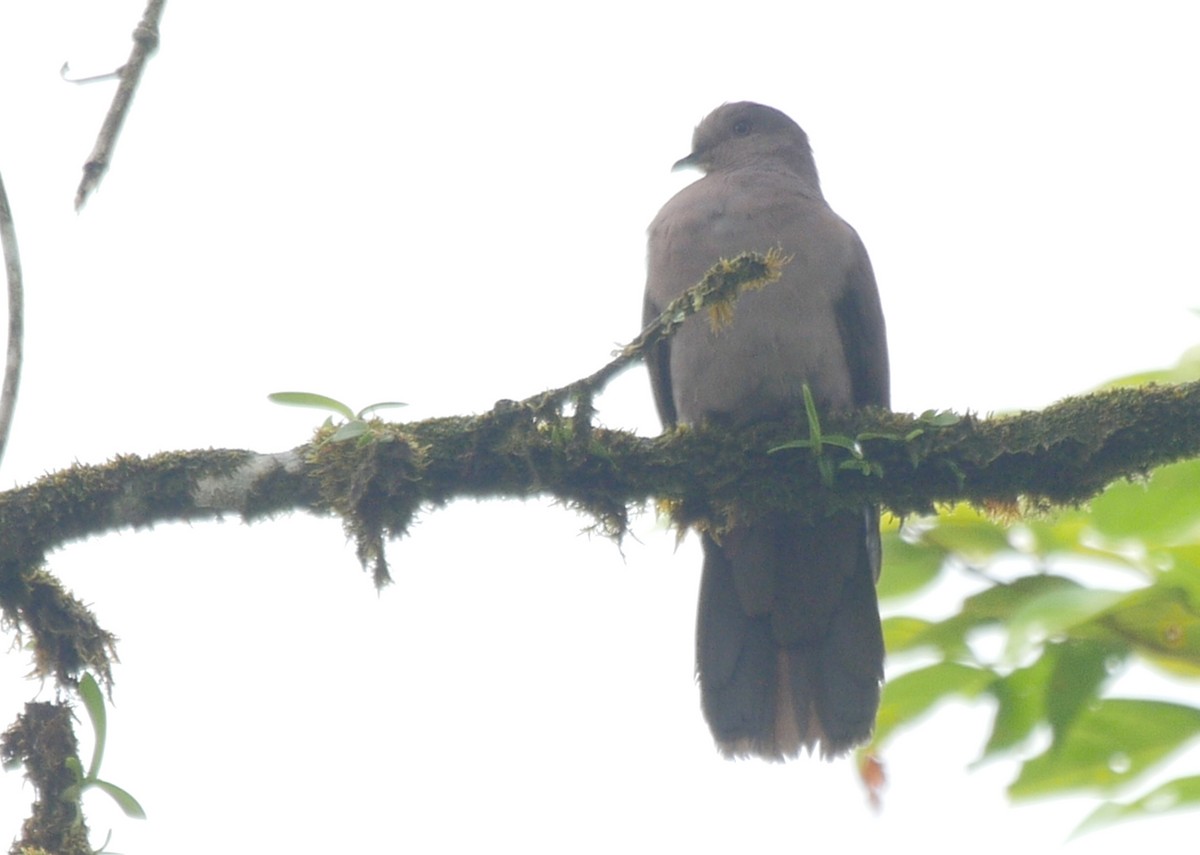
{"points": [[810, 410], [1180, 794], [1020, 698], [1061, 683], [93, 702], [840, 441], [128, 804], [1183, 571], [1110, 743], [1080, 670], [1069, 533], [866, 467], [1002, 602], [1060, 534], [1052, 612], [995, 605], [350, 430], [948, 637], [1161, 621], [383, 405], [903, 633], [868, 435], [1185, 370], [910, 695], [940, 418], [908, 567], [1163, 510], [313, 401], [968, 533], [792, 443]]}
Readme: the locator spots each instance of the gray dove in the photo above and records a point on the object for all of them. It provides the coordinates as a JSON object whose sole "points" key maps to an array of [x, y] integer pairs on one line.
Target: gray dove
{"points": [[789, 651]]}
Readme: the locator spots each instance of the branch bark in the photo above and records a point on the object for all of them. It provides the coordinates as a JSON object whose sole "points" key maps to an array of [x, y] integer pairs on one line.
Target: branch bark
{"points": [[1062, 455], [16, 319], [145, 42]]}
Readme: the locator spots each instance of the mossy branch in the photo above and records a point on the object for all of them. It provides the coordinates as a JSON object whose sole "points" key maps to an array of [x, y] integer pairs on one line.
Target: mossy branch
{"points": [[1061, 455], [380, 481], [546, 445]]}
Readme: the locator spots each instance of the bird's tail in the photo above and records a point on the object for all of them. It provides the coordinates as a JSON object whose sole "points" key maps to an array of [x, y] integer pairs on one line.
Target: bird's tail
{"points": [[789, 650]]}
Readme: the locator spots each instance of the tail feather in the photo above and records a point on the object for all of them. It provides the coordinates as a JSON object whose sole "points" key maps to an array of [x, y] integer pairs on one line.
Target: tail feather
{"points": [[789, 651]]}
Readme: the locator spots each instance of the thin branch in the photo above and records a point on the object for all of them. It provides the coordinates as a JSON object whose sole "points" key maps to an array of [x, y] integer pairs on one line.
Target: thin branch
{"points": [[717, 291], [145, 41], [16, 319], [65, 74]]}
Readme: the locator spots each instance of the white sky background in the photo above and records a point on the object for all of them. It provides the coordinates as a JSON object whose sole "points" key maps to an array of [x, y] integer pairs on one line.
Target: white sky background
{"points": [[448, 207]]}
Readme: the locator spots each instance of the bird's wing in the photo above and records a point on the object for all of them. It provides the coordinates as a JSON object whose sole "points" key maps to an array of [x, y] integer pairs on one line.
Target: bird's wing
{"points": [[859, 317]]}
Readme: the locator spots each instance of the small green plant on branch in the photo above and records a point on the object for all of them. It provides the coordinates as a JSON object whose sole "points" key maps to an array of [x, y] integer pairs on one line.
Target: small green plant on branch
{"points": [[93, 703], [356, 424]]}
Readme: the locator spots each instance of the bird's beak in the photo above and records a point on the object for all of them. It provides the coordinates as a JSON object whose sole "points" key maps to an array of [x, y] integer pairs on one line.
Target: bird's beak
{"points": [[692, 161]]}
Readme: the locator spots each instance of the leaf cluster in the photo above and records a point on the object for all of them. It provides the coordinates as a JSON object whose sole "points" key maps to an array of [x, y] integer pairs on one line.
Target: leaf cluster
{"points": [[1047, 648]]}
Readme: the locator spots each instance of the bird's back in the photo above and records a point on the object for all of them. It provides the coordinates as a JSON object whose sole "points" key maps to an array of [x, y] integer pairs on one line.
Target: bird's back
{"points": [[782, 336]]}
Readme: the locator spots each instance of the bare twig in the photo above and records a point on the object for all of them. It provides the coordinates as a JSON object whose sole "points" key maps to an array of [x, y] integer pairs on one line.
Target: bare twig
{"points": [[65, 74], [16, 319], [716, 292], [145, 41]]}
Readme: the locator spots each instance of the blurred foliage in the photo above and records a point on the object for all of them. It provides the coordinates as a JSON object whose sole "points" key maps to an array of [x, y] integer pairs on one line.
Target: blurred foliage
{"points": [[1062, 606]]}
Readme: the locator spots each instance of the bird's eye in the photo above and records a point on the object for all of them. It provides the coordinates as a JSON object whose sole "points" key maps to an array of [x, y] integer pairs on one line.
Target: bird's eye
{"points": [[742, 127]]}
